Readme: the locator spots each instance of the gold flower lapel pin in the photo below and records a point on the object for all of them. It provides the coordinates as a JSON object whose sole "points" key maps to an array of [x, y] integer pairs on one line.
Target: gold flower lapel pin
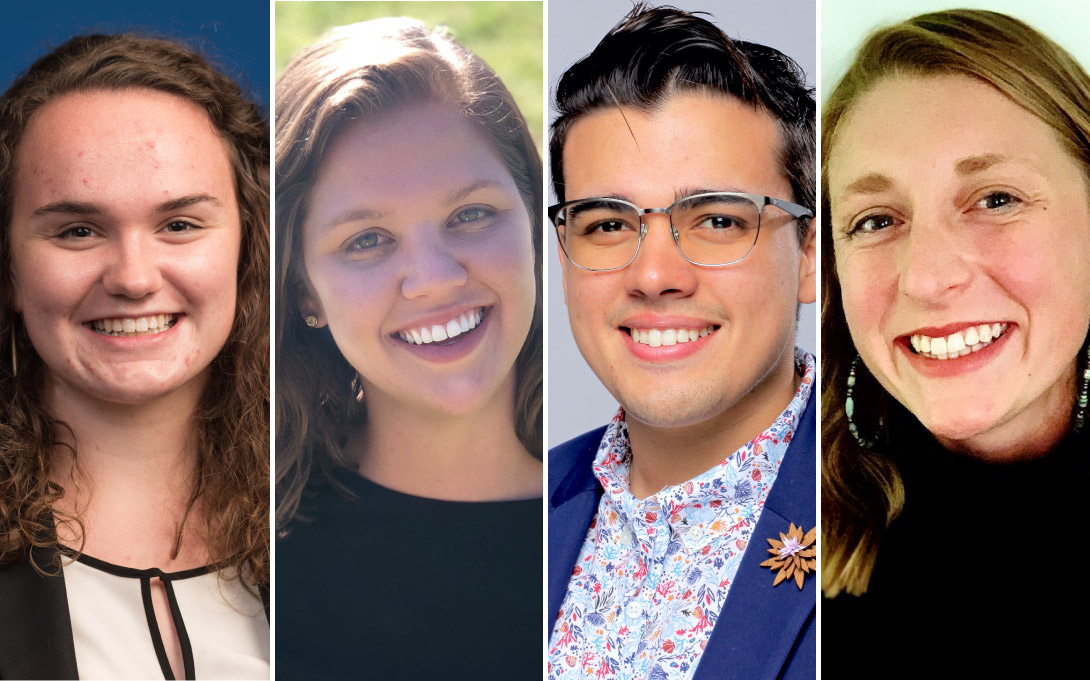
{"points": [[793, 555]]}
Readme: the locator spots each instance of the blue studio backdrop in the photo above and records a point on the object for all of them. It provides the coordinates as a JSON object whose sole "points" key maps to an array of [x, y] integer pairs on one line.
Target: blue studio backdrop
{"points": [[233, 34]]}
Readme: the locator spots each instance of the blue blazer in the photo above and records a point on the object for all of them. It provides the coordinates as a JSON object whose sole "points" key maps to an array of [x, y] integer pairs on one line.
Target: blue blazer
{"points": [[762, 632]]}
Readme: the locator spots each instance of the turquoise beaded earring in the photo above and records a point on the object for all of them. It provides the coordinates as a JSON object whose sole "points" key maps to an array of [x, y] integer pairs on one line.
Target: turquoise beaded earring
{"points": [[849, 411]]}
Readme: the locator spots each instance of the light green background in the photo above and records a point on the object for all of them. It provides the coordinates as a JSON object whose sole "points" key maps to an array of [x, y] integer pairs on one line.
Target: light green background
{"points": [[845, 24], [507, 35]]}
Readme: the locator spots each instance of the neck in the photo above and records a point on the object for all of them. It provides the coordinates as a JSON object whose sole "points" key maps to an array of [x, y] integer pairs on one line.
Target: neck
{"points": [[128, 474], [667, 456], [472, 456]]}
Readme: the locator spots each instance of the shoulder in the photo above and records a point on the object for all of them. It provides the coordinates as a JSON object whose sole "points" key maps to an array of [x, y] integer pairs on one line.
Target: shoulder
{"points": [[573, 458]]}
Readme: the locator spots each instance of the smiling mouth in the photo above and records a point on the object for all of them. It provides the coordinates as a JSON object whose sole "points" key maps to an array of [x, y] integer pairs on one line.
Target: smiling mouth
{"points": [[666, 337], [958, 344], [447, 333], [133, 326]]}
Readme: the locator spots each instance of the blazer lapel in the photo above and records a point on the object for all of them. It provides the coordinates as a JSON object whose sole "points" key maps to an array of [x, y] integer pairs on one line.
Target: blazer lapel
{"points": [[573, 501], [35, 630], [757, 630]]}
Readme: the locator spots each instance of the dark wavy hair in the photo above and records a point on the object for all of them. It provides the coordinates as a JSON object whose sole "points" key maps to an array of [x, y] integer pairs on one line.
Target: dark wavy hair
{"points": [[232, 422], [861, 488], [358, 71], [655, 53]]}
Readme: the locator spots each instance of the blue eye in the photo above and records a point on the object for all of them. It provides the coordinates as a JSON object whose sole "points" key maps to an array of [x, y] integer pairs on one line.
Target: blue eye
{"points": [[473, 216], [367, 244]]}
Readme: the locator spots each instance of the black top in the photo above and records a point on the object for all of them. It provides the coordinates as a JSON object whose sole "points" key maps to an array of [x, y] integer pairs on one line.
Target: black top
{"points": [[389, 585], [983, 575]]}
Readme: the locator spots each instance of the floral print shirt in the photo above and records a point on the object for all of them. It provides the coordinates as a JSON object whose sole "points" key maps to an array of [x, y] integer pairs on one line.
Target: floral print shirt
{"points": [[653, 573]]}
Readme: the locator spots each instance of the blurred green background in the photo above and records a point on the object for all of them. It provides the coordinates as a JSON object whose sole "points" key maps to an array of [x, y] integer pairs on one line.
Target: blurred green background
{"points": [[507, 35]]}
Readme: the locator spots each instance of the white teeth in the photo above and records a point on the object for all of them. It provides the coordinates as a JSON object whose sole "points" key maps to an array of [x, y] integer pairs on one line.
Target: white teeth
{"points": [[667, 337], [436, 333], [958, 344], [133, 326]]}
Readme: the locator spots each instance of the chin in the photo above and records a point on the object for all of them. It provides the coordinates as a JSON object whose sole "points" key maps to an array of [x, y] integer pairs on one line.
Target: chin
{"points": [[960, 425], [675, 408]]}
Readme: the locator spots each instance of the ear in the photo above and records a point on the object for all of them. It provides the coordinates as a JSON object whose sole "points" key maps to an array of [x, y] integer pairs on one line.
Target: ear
{"points": [[808, 266], [309, 306]]}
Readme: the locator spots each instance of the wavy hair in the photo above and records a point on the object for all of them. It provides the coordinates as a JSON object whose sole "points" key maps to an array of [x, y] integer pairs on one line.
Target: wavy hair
{"points": [[358, 71], [861, 489], [232, 418]]}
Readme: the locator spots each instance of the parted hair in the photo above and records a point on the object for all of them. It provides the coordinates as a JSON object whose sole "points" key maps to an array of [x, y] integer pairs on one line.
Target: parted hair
{"points": [[232, 422], [655, 53], [861, 489], [359, 71]]}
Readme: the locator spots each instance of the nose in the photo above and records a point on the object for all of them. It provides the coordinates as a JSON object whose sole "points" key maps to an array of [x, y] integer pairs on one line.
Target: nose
{"points": [[934, 264], [432, 267], [134, 270], [659, 269]]}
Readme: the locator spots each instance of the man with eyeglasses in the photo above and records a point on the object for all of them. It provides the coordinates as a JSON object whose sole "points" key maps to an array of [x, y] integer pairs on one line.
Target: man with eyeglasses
{"points": [[683, 163]]}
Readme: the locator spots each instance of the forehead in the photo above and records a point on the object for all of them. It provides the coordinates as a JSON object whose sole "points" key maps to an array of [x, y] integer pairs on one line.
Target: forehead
{"points": [[694, 141], [422, 153], [921, 125], [120, 145]]}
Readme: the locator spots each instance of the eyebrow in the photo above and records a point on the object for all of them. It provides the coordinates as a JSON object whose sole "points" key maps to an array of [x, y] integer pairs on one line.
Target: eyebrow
{"points": [[87, 208], [976, 164], [679, 193], [872, 183], [186, 202], [459, 194], [71, 207], [363, 214]]}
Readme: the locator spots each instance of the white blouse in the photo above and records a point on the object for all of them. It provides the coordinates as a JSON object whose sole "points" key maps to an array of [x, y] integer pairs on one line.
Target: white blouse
{"points": [[222, 627]]}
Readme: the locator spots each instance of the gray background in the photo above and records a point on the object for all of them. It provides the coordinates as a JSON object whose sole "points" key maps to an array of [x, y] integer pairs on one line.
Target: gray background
{"points": [[577, 402]]}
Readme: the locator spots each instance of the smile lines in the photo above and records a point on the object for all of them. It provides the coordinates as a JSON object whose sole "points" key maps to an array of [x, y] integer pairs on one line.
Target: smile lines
{"points": [[660, 337], [958, 344], [437, 333], [133, 326]]}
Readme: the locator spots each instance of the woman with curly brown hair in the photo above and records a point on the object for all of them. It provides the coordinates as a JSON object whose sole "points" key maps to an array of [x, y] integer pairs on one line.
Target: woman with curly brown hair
{"points": [[134, 407], [408, 362]]}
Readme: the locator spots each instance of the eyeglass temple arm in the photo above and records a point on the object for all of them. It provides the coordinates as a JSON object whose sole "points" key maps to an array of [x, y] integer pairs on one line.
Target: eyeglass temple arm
{"points": [[793, 209]]}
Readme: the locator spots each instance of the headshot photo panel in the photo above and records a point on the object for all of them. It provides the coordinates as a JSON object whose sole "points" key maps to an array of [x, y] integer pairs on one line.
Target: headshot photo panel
{"points": [[134, 312], [955, 237], [409, 340], [682, 170]]}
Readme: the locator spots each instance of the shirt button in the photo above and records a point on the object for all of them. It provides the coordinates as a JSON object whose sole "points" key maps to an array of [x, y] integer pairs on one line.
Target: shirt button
{"points": [[633, 610], [695, 533]]}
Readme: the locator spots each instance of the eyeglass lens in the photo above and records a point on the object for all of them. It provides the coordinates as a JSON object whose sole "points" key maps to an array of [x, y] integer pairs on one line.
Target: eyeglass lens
{"points": [[711, 229]]}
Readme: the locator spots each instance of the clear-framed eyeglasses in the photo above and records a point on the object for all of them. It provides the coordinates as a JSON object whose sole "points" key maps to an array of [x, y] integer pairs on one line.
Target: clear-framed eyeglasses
{"points": [[713, 229]]}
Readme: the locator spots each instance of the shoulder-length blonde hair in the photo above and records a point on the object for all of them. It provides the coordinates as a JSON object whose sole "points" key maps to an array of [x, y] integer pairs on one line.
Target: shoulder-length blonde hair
{"points": [[861, 490], [232, 423], [359, 71]]}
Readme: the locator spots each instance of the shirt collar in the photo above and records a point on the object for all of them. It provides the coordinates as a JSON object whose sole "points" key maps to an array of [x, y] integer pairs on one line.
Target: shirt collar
{"points": [[714, 501]]}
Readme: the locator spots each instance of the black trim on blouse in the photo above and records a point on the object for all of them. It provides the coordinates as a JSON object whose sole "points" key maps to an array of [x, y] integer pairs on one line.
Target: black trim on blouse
{"points": [[167, 578]]}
